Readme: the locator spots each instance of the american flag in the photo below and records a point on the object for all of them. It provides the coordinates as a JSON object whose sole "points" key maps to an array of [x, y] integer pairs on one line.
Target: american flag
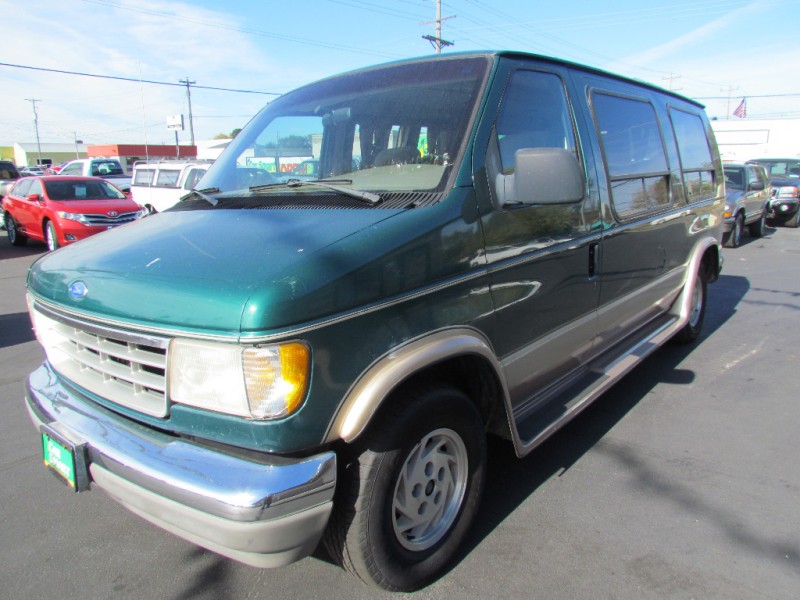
{"points": [[741, 110]]}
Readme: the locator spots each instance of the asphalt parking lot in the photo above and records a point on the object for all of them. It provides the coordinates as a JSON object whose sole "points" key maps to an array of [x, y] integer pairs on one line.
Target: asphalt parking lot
{"points": [[680, 482]]}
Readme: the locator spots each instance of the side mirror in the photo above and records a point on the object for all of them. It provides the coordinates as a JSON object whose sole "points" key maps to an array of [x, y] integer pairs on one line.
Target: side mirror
{"points": [[547, 176], [757, 186], [34, 198]]}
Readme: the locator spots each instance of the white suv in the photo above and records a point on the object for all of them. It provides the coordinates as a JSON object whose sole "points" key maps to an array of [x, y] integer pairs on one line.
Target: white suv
{"points": [[157, 186]]}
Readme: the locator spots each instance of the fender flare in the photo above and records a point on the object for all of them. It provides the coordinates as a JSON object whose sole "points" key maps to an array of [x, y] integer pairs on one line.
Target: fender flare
{"points": [[369, 391]]}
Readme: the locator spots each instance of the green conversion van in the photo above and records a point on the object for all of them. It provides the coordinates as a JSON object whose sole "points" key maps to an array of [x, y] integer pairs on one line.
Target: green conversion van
{"points": [[493, 241]]}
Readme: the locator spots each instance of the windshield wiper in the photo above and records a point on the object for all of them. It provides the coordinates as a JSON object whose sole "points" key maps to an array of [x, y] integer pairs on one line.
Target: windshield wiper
{"points": [[293, 183], [204, 194]]}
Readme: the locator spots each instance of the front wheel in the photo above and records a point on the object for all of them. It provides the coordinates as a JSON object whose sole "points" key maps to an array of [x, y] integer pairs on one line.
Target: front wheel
{"points": [[757, 229], [52, 238], [408, 494], [734, 238]]}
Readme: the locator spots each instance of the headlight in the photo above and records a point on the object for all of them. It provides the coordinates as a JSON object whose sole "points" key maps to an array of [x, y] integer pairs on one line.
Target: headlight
{"points": [[788, 191], [728, 210], [74, 217], [257, 382]]}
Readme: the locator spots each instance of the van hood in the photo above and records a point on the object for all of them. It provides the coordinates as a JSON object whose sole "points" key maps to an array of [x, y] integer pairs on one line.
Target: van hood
{"points": [[226, 272]]}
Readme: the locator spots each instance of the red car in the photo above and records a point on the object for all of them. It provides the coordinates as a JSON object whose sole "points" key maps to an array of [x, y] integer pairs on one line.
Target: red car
{"points": [[62, 209]]}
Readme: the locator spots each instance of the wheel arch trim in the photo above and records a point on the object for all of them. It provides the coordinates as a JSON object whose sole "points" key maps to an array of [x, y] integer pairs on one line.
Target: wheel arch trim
{"points": [[370, 390]]}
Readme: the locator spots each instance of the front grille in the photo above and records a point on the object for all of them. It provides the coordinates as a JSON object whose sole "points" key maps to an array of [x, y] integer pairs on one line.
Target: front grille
{"points": [[106, 221], [124, 367]]}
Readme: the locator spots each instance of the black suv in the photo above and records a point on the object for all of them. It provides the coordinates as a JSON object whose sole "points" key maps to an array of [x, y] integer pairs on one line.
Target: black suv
{"points": [[784, 176], [8, 175]]}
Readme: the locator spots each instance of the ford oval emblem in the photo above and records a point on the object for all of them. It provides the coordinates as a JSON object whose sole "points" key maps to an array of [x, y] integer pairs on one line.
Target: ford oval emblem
{"points": [[78, 290]]}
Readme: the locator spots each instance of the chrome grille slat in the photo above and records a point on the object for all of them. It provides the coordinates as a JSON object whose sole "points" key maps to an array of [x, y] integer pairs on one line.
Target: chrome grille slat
{"points": [[101, 219], [111, 364], [129, 352]]}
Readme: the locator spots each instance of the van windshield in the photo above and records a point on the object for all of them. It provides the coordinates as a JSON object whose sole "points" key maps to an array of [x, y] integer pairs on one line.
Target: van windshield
{"points": [[397, 128]]}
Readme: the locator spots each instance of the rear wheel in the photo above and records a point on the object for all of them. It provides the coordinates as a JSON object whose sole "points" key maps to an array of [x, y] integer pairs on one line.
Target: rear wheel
{"points": [[52, 238], [697, 311], [14, 236], [409, 492]]}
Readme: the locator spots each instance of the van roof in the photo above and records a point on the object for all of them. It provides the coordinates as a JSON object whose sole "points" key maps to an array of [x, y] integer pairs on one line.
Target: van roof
{"points": [[512, 54]]}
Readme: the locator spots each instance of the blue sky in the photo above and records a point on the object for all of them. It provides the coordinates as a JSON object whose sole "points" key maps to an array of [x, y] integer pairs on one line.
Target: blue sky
{"points": [[716, 50]]}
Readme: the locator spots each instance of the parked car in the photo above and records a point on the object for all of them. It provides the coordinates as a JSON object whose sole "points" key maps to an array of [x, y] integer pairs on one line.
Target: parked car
{"points": [[27, 171], [109, 169], [784, 175], [268, 365], [8, 177], [61, 210], [747, 196], [158, 185]]}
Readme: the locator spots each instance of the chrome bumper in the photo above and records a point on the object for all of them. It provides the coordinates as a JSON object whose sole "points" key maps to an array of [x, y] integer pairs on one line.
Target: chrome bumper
{"points": [[263, 512]]}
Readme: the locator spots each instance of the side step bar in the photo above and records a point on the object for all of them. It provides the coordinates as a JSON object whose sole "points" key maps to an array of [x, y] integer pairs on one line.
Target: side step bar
{"points": [[555, 407]]}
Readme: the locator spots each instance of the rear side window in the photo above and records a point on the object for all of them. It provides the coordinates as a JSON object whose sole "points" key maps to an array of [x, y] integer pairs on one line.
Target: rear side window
{"points": [[74, 169], [142, 177], [168, 178], [697, 164], [634, 154]]}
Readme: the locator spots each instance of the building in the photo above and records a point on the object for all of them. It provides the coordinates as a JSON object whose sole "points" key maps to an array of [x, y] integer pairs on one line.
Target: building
{"points": [[743, 139], [31, 154], [127, 154]]}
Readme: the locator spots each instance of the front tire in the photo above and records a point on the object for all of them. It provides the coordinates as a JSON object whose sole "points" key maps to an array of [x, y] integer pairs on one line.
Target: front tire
{"points": [[734, 238], [50, 235], [794, 220], [757, 229], [410, 490]]}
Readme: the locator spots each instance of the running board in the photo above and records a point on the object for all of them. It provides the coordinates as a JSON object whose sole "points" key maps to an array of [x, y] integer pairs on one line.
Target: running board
{"points": [[555, 407]]}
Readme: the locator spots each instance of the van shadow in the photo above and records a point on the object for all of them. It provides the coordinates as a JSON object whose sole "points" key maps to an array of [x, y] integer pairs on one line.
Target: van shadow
{"points": [[15, 329], [511, 481]]}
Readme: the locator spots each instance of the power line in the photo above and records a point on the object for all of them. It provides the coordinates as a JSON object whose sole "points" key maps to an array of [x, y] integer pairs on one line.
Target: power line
{"points": [[133, 80]]}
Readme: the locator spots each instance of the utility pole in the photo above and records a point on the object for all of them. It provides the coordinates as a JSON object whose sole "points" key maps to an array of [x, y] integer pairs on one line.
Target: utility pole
{"points": [[33, 101], [437, 40], [77, 141], [731, 89], [189, 98], [672, 77]]}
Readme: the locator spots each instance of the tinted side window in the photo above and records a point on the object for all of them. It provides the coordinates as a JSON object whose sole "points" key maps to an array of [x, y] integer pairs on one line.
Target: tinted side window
{"points": [[634, 153], [534, 114], [697, 164]]}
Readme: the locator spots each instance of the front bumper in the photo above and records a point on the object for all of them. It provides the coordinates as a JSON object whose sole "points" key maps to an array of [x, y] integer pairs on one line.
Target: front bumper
{"points": [[782, 207], [263, 511]]}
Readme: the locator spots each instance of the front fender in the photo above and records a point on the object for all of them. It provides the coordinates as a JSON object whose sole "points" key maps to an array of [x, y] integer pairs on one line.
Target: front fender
{"points": [[369, 391]]}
